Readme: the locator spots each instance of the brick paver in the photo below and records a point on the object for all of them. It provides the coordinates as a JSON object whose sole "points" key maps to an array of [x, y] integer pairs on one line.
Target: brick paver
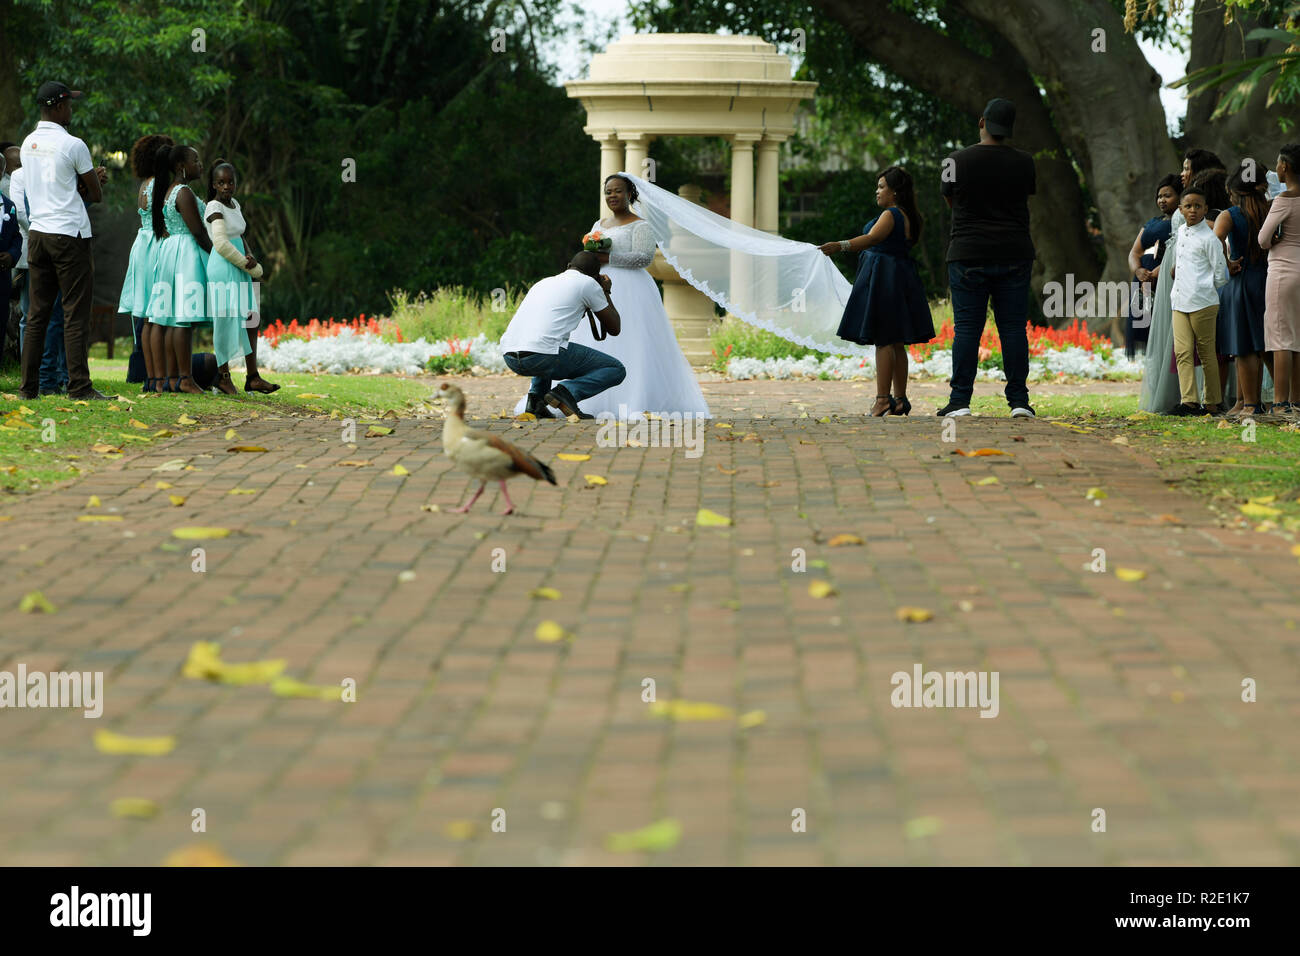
{"points": [[1113, 695]]}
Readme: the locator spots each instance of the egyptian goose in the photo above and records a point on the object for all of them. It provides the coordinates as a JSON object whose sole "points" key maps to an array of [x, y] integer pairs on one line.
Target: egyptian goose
{"points": [[482, 455]]}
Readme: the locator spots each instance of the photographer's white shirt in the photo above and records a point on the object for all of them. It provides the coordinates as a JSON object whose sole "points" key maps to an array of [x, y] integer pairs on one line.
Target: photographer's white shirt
{"points": [[551, 311], [53, 159]]}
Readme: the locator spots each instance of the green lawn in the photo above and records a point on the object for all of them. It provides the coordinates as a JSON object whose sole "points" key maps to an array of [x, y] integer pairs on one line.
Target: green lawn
{"points": [[1224, 462], [29, 462]]}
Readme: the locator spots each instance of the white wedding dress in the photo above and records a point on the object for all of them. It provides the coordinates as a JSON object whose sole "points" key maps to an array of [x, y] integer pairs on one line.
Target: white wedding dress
{"points": [[659, 379]]}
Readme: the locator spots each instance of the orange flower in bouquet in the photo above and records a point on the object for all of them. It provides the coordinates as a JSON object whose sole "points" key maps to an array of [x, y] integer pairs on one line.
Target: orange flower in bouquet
{"points": [[596, 241]]}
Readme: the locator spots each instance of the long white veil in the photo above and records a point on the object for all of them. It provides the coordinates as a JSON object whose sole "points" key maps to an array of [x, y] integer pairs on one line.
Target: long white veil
{"points": [[789, 288]]}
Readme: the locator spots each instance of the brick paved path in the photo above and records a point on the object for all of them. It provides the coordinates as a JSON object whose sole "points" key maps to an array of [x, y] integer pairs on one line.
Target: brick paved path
{"points": [[1113, 695]]}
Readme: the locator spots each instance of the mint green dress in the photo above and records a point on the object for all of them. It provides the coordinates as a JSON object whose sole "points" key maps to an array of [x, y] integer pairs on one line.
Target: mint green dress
{"points": [[232, 294], [138, 283], [180, 275]]}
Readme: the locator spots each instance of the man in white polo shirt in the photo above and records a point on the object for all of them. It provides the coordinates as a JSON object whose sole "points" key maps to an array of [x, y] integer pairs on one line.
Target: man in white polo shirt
{"points": [[536, 342], [57, 173]]}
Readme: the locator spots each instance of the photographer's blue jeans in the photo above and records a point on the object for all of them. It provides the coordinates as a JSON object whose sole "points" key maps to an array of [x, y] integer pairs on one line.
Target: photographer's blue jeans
{"points": [[972, 284], [583, 371], [54, 360]]}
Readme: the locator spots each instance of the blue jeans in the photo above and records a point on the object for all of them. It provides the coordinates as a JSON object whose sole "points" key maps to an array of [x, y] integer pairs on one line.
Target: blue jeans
{"points": [[54, 361], [585, 371], [973, 283]]}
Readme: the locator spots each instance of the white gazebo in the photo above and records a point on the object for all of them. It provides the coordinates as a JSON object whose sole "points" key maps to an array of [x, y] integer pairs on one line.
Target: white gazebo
{"points": [[694, 84]]}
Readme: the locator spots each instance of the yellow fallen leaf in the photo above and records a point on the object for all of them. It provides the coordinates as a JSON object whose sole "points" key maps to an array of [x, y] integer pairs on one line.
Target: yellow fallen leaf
{"points": [[843, 540], [711, 519], [134, 807], [205, 663], [176, 500], [663, 835], [242, 491], [1130, 574], [550, 594], [186, 420], [400, 471], [913, 615], [690, 710], [633, 443], [136, 423], [595, 480], [434, 508], [247, 448], [1096, 494], [105, 449], [200, 533], [175, 464], [202, 854], [461, 829], [1262, 499], [922, 827], [820, 589], [751, 718], [1252, 510], [93, 502], [990, 480], [1295, 550], [727, 471], [288, 687], [164, 433], [569, 456], [525, 417], [311, 395], [377, 431], [99, 517], [355, 463], [231, 434], [162, 485], [548, 632], [107, 742], [34, 602], [722, 425], [126, 436]]}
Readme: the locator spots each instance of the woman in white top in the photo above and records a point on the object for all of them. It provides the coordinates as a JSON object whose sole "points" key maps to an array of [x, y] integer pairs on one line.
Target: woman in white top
{"points": [[232, 294], [659, 379]]}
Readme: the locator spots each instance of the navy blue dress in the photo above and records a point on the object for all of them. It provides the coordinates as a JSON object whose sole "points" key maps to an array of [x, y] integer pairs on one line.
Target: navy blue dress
{"points": [[888, 303], [1156, 233], [1240, 324]]}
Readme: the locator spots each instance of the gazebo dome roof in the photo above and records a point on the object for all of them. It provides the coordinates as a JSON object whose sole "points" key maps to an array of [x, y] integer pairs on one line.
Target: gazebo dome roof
{"points": [[689, 56], [699, 84]]}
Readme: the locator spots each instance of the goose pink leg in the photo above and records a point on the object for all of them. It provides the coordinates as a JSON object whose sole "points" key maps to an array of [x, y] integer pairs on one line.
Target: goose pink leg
{"points": [[470, 504], [510, 505]]}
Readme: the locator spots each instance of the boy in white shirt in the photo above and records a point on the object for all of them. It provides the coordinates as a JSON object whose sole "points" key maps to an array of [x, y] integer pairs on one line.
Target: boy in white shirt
{"points": [[1200, 269]]}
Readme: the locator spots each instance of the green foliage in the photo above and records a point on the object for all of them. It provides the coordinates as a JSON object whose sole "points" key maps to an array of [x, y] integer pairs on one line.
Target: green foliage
{"points": [[734, 339], [453, 312]]}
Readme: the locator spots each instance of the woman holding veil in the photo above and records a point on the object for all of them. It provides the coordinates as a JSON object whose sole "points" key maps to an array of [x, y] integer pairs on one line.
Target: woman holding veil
{"points": [[776, 284]]}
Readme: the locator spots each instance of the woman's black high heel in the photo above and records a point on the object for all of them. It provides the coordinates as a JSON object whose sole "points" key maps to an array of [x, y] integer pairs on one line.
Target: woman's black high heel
{"points": [[899, 406], [888, 410]]}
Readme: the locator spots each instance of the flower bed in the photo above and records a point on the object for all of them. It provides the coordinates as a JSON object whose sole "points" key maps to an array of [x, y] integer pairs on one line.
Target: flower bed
{"points": [[372, 345]]}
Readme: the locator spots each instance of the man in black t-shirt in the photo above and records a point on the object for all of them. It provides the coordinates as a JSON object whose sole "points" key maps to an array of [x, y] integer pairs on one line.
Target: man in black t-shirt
{"points": [[990, 254]]}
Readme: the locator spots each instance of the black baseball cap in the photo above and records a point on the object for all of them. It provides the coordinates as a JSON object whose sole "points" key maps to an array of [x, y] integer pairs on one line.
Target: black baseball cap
{"points": [[999, 117], [53, 92]]}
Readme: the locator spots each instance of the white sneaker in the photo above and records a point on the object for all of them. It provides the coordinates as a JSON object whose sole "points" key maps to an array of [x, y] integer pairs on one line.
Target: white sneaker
{"points": [[1023, 411]]}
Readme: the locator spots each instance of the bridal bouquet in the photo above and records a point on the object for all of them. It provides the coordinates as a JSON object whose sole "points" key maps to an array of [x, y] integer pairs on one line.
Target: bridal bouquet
{"points": [[596, 242]]}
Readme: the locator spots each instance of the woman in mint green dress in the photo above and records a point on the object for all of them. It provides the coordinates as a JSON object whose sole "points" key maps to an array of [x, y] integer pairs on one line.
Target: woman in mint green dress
{"points": [[232, 291], [138, 283], [177, 300]]}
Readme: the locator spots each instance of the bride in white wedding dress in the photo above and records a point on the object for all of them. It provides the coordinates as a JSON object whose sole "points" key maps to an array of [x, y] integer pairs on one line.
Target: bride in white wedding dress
{"points": [[659, 379]]}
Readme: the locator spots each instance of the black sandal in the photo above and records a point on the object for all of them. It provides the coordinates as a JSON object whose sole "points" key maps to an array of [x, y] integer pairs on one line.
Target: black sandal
{"points": [[888, 410], [265, 391], [901, 406]]}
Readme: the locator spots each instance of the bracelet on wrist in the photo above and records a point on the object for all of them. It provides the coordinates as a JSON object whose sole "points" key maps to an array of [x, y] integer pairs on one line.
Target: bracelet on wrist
{"points": [[846, 245]]}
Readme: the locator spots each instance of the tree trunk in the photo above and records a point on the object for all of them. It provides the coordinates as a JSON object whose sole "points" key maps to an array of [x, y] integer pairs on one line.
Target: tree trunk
{"points": [[11, 83], [1106, 105], [944, 68], [1254, 131]]}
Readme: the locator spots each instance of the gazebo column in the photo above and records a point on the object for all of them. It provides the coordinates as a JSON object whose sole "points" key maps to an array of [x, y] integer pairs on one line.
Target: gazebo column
{"points": [[742, 211], [611, 161], [637, 146], [742, 177], [766, 196]]}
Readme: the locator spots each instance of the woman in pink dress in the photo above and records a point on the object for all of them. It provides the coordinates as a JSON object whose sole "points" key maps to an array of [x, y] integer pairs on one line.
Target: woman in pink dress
{"points": [[1280, 235]]}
